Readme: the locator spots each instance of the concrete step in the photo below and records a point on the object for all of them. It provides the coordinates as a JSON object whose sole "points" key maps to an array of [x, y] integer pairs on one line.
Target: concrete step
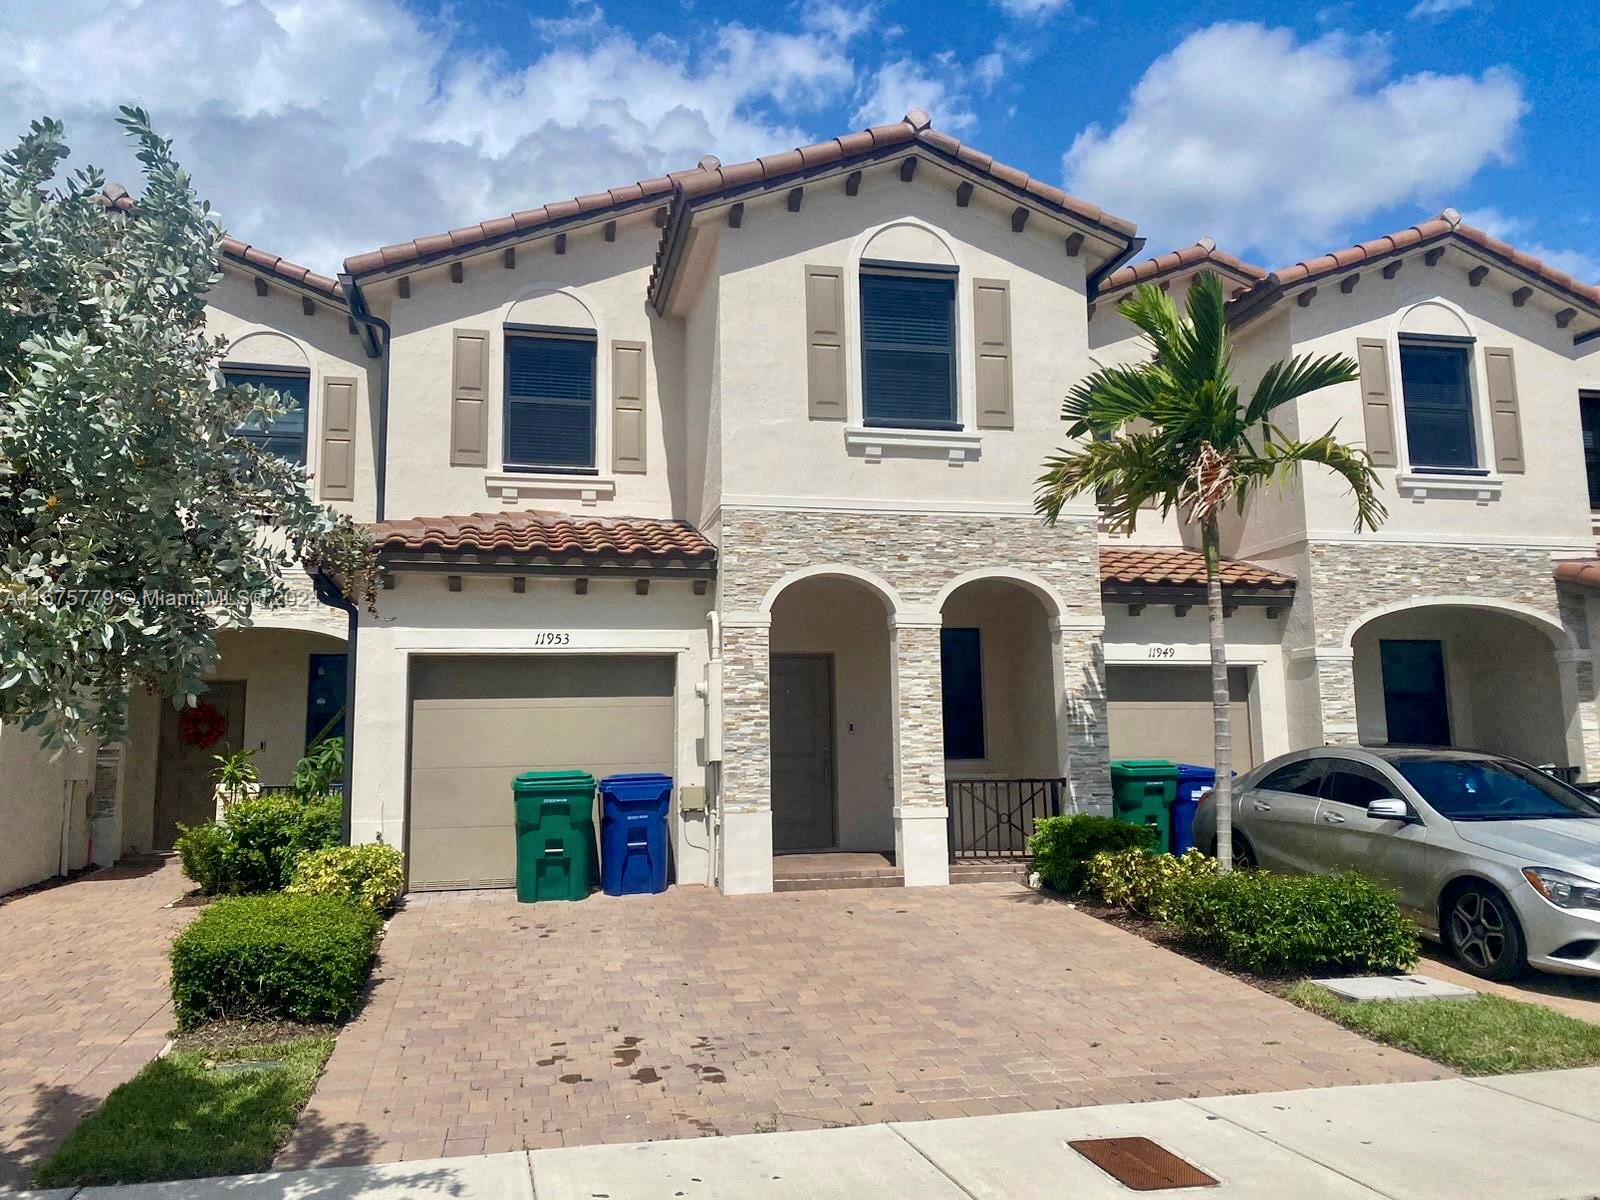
{"points": [[991, 870], [830, 883]]}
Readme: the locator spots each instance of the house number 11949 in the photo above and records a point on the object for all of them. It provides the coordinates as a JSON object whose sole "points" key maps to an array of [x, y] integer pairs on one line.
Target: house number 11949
{"points": [[1162, 652], [552, 638]]}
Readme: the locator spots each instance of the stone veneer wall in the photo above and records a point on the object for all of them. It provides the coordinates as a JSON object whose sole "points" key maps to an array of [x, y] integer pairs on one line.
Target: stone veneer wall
{"points": [[916, 555], [1345, 581]]}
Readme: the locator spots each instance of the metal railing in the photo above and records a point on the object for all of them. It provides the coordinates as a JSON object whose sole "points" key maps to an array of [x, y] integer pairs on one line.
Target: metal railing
{"points": [[284, 789], [994, 818]]}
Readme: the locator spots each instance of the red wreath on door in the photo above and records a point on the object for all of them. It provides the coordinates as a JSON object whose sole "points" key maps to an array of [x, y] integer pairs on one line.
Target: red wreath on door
{"points": [[202, 726]]}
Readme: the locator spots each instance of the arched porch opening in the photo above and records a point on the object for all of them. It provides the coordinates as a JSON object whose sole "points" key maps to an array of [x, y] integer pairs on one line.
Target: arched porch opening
{"points": [[832, 716], [1480, 676]]}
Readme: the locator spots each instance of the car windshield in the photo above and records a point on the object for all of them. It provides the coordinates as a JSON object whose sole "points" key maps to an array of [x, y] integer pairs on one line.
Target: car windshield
{"points": [[1488, 789]]}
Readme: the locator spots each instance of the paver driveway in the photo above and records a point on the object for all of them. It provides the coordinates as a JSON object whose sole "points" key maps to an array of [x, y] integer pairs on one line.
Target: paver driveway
{"points": [[83, 1000], [497, 1026]]}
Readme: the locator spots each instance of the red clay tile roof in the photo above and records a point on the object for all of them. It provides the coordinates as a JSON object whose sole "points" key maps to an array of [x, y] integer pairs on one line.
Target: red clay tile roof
{"points": [[914, 129], [1447, 225], [1202, 253], [1584, 572], [711, 177], [115, 196], [1175, 567], [549, 535]]}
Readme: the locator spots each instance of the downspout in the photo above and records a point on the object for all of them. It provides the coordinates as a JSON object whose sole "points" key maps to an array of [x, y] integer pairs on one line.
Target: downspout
{"points": [[377, 338], [328, 592]]}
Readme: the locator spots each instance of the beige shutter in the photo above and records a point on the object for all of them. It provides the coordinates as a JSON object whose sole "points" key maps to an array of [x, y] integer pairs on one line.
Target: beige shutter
{"points": [[991, 310], [469, 407], [336, 462], [1504, 414], [627, 407], [1377, 400], [825, 342]]}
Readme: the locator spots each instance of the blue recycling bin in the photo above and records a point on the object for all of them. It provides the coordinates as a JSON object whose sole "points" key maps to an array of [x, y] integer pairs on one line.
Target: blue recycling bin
{"points": [[633, 833], [1192, 780]]}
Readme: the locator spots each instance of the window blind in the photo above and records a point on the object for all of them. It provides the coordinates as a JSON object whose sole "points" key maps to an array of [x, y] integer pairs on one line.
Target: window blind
{"points": [[908, 350], [549, 406]]}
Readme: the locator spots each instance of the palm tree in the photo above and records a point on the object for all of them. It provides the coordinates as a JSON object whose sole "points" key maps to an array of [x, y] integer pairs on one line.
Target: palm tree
{"points": [[1174, 432]]}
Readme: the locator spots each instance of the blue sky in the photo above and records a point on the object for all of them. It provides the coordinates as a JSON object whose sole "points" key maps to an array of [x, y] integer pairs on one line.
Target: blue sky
{"points": [[326, 127]]}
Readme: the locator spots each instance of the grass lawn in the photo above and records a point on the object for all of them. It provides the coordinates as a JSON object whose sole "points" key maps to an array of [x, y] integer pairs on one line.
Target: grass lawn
{"points": [[1487, 1035], [191, 1114]]}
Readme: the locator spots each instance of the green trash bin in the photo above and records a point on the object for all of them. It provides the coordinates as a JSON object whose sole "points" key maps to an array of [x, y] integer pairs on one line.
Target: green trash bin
{"points": [[555, 835], [1142, 793]]}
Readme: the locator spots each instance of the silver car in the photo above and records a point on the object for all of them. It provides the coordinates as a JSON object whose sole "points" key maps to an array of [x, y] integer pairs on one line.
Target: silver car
{"points": [[1498, 860]]}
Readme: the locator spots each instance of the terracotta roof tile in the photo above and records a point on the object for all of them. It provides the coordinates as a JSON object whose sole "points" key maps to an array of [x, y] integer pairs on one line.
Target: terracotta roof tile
{"points": [[1174, 566], [1446, 226], [1582, 571], [540, 534], [1202, 253]]}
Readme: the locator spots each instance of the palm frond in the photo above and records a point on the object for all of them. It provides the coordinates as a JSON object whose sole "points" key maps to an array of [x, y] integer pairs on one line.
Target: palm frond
{"points": [[1105, 401], [1278, 458], [1295, 377], [1126, 473]]}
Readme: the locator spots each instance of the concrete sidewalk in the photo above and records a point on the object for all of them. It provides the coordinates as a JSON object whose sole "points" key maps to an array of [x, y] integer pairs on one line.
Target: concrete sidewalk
{"points": [[1531, 1137]]}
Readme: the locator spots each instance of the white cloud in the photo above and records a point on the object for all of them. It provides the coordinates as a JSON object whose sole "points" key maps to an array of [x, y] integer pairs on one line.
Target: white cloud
{"points": [[1434, 9], [1326, 140], [1520, 233], [903, 84], [324, 127], [1033, 9]]}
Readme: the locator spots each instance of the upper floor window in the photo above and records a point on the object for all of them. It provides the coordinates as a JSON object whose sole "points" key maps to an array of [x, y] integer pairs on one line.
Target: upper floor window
{"points": [[908, 347], [1436, 390], [285, 435], [1589, 407], [549, 404]]}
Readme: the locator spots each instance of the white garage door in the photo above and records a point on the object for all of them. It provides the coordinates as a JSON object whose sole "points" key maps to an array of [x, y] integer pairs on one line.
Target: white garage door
{"points": [[478, 722], [1165, 712]]}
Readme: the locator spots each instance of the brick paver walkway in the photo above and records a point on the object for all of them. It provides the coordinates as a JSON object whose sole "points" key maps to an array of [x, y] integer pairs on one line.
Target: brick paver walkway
{"points": [[496, 1026], [83, 1000]]}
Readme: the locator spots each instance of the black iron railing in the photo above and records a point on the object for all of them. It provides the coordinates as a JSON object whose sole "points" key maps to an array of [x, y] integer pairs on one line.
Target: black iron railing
{"points": [[281, 789], [994, 818]]}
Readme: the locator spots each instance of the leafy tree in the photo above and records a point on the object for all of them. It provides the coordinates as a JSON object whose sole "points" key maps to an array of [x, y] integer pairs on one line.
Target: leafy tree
{"points": [[1175, 432], [134, 520]]}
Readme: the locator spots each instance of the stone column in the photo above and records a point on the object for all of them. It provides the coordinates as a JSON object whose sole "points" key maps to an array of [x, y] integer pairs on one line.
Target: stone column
{"points": [[921, 834], [1576, 672], [1336, 694], [744, 849], [1081, 716]]}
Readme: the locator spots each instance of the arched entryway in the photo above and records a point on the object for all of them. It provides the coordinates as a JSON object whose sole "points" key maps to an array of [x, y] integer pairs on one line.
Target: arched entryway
{"points": [[832, 715], [1483, 675], [1000, 674]]}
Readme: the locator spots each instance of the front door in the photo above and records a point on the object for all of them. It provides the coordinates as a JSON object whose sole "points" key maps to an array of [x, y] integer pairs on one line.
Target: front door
{"points": [[185, 793], [802, 752], [1414, 703]]}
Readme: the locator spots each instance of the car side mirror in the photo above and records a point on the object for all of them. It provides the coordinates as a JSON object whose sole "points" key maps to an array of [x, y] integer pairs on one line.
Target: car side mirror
{"points": [[1388, 810]]}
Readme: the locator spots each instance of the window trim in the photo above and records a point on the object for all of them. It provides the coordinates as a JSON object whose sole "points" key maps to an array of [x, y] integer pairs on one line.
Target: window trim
{"points": [[279, 371], [512, 332], [921, 271], [1468, 346]]}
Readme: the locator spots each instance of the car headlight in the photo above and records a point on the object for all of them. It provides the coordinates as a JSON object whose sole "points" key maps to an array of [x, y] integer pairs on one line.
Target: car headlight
{"points": [[1563, 890]]}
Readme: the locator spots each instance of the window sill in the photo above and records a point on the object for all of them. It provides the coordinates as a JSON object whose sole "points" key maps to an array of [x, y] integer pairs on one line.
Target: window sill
{"points": [[1421, 485], [877, 443], [510, 486]]}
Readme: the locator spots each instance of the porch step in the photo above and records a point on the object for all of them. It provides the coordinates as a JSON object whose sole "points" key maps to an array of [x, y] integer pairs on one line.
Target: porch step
{"points": [[826, 872], [991, 870], [833, 883]]}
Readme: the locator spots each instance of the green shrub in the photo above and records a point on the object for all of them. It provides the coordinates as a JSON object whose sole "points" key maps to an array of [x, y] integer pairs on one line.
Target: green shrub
{"points": [[321, 768], [296, 958], [372, 874], [255, 846], [1063, 846], [203, 850], [1144, 882], [1274, 924]]}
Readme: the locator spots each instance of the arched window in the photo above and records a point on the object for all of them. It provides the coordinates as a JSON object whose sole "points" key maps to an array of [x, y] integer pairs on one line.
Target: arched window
{"points": [[549, 419], [908, 331]]}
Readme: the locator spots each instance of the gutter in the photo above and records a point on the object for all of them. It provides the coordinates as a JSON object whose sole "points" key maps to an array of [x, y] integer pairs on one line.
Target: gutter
{"points": [[377, 337], [1091, 285], [328, 592]]}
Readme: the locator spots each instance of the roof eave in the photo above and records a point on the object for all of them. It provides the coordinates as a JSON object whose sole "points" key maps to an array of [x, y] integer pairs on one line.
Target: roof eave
{"points": [[288, 283]]}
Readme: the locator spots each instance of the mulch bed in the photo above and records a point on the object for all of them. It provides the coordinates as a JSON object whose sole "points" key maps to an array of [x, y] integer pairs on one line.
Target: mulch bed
{"points": [[194, 898], [225, 1034]]}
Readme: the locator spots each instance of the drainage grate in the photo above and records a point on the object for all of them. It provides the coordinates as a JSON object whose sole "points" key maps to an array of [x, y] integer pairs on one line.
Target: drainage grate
{"points": [[1140, 1165]]}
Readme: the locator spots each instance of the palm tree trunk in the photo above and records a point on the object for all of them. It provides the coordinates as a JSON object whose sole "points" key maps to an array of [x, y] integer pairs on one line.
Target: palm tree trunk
{"points": [[1221, 700]]}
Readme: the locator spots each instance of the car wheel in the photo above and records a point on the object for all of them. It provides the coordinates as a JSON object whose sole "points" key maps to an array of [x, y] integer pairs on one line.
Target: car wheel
{"points": [[1484, 934], [1244, 858]]}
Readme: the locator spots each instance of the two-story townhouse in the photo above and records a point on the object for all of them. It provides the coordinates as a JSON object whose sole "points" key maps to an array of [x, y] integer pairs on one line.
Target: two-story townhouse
{"points": [[1465, 619], [278, 684]]}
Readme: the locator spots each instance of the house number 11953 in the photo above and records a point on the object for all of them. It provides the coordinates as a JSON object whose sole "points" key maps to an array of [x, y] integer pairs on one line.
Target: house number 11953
{"points": [[1162, 652], [552, 638]]}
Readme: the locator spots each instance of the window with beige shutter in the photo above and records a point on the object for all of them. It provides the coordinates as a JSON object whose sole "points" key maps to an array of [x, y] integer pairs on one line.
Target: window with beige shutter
{"points": [[825, 354], [628, 424], [469, 407], [1377, 401], [336, 463], [1500, 374], [991, 308]]}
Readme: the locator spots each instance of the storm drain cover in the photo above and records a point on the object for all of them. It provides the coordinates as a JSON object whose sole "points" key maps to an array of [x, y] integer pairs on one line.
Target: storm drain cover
{"points": [[1140, 1164]]}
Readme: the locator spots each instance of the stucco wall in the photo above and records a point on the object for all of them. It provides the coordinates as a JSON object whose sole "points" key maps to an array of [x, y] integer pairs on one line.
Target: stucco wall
{"points": [[34, 805], [273, 329], [421, 616], [1019, 711]]}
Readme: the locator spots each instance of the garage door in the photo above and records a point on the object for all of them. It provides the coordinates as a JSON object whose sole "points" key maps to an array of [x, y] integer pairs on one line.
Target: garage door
{"points": [[1165, 712], [478, 722]]}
